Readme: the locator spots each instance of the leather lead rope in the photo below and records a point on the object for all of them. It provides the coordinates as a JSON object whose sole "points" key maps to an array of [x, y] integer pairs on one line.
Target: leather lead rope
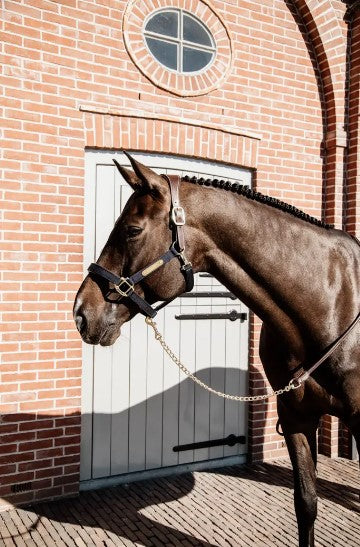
{"points": [[307, 372]]}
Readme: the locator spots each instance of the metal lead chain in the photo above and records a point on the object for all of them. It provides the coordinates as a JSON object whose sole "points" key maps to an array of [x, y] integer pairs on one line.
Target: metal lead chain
{"points": [[293, 384]]}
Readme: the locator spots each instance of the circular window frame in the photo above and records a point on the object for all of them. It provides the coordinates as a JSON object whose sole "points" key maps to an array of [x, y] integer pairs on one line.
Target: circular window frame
{"points": [[188, 84]]}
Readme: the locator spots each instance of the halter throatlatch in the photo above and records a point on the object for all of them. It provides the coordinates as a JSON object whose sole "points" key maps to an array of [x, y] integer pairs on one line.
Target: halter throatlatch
{"points": [[125, 285]]}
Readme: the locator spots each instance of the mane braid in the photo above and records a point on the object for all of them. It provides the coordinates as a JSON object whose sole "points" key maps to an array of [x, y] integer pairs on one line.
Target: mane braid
{"points": [[257, 196]]}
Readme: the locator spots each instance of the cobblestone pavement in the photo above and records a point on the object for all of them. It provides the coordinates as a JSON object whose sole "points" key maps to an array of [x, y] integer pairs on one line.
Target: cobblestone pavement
{"points": [[248, 505]]}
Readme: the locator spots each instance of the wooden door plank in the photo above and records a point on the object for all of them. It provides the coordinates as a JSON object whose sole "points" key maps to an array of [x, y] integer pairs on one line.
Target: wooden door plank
{"points": [[104, 221], [171, 388], [120, 403], [233, 380], [217, 376], [202, 397], [137, 412], [187, 386], [120, 366], [87, 413], [154, 413]]}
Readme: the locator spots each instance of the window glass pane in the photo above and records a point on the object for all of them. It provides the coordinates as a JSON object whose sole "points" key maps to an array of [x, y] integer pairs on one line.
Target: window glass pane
{"points": [[164, 52], [194, 60], [195, 32], [165, 23]]}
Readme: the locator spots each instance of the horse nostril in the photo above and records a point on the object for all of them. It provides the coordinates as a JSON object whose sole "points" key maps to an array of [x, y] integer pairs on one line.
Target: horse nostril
{"points": [[80, 322]]}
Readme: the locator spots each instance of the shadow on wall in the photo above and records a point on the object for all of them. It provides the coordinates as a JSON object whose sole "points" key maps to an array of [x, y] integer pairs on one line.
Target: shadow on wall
{"points": [[144, 435], [139, 437], [40, 456]]}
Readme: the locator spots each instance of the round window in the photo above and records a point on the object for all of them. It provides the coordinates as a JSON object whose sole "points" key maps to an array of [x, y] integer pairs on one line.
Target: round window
{"points": [[181, 46], [179, 41]]}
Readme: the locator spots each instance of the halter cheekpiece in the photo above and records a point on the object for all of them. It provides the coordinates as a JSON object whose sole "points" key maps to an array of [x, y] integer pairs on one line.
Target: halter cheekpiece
{"points": [[125, 285]]}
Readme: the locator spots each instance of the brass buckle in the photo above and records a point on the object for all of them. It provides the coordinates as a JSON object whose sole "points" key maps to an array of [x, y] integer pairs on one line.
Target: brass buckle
{"points": [[128, 290], [178, 216]]}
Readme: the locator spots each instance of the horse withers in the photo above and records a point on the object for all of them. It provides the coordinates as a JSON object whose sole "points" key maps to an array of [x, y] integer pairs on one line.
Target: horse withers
{"points": [[299, 275]]}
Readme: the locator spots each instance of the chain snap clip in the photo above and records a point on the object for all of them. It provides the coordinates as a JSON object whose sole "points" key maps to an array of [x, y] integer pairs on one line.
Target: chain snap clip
{"points": [[295, 383]]}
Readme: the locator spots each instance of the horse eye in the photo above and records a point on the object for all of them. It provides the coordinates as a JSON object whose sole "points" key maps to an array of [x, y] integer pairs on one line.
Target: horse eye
{"points": [[133, 231]]}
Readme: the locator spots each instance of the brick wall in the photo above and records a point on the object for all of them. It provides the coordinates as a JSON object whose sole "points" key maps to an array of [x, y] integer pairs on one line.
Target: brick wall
{"points": [[286, 83]]}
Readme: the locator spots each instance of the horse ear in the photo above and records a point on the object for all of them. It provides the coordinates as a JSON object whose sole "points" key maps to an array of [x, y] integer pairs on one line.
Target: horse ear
{"points": [[149, 181], [128, 175]]}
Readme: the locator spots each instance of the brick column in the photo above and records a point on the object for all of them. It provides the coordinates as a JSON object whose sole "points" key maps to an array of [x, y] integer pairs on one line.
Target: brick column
{"points": [[353, 123], [335, 143], [328, 439], [343, 157], [333, 211]]}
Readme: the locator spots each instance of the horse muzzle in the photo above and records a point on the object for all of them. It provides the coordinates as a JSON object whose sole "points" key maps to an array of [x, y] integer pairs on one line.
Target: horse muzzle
{"points": [[105, 335], [95, 329]]}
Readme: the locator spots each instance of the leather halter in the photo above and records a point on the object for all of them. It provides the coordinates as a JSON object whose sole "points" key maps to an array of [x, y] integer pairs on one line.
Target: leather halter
{"points": [[125, 285]]}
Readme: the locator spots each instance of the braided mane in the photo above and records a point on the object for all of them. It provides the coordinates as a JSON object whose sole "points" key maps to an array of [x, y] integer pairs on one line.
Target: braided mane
{"points": [[244, 190]]}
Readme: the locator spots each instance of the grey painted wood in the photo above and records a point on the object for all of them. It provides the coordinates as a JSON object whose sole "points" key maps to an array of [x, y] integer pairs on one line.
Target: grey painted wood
{"points": [[120, 398], [171, 376], [154, 414], [217, 378], [233, 382], [187, 387], [120, 395], [136, 404], [355, 454], [102, 407], [137, 390]]}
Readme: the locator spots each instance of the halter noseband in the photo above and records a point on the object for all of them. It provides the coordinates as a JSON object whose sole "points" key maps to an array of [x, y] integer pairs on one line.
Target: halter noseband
{"points": [[125, 285]]}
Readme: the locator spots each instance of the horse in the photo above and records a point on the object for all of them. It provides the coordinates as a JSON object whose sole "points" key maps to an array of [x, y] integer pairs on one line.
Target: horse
{"points": [[299, 275]]}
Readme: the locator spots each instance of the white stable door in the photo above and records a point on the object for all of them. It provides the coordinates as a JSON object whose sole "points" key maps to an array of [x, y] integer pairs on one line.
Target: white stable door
{"points": [[137, 406]]}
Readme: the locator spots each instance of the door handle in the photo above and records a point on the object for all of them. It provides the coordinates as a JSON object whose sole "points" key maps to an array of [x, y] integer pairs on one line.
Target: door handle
{"points": [[231, 440], [232, 315]]}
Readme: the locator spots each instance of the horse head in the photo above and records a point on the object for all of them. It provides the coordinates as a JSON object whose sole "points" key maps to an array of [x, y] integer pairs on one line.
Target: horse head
{"points": [[142, 233]]}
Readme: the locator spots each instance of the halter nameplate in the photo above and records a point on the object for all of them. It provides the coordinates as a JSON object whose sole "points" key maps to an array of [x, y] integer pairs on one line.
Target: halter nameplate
{"points": [[153, 267]]}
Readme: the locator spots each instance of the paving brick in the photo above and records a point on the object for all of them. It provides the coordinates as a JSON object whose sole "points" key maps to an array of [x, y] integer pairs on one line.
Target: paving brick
{"points": [[233, 506]]}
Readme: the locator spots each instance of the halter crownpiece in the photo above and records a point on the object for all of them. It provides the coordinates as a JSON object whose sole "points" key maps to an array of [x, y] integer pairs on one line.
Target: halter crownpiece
{"points": [[125, 285]]}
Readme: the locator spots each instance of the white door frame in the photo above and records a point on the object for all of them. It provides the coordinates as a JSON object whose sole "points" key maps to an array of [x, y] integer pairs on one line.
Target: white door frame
{"points": [[94, 158]]}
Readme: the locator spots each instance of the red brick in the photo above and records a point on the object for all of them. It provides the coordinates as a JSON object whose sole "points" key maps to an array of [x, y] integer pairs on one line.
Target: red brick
{"points": [[48, 72]]}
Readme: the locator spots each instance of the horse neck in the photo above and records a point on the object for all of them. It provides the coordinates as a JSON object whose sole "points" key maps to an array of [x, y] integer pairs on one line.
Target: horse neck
{"points": [[263, 256]]}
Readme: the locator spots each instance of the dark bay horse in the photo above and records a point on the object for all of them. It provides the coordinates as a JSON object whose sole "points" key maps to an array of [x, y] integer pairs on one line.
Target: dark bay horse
{"points": [[300, 276]]}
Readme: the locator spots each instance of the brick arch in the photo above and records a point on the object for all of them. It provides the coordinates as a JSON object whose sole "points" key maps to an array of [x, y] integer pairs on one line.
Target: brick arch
{"points": [[326, 40], [126, 129], [329, 43]]}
